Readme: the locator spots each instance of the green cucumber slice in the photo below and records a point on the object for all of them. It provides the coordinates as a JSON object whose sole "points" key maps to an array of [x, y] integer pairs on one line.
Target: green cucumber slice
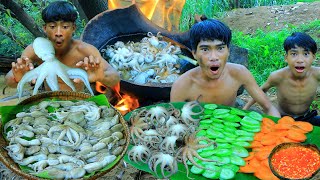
{"points": [[240, 151], [250, 121], [226, 173], [255, 115], [220, 111], [196, 170], [221, 116], [206, 154], [204, 126], [208, 112], [232, 118], [223, 152], [212, 174], [232, 124], [206, 121], [240, 132], [229, 139], [201, 133], [232, 135], [233, 167], [245, 138], [218, 140], [210, 106], [224, 145], [237, 160], [250, 128], [241, 143], [214, 134], [217, 125], [216, 120], [238, 112], [229, 129], [225, 160], [217, 129], [206, 116]]}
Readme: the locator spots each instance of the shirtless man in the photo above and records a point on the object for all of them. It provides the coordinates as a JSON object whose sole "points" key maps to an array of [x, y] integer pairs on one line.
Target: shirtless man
{"points": [[216, 80], [59, 18], [297, 83]]}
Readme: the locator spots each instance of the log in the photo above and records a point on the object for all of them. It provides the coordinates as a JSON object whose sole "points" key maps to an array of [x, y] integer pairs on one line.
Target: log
{"points": [[5, 64]]}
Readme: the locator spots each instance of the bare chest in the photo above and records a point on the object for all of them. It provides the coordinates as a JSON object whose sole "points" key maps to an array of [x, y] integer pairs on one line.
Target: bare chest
{"points": [[219, 92], [298, 91]]}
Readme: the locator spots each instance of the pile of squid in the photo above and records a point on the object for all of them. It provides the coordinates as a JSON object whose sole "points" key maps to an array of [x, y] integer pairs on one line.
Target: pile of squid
{"points": [[163, 136], [152, 60], [65, 139]]}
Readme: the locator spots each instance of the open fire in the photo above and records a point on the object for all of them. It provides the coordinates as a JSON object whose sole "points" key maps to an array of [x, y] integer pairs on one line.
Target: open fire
{"points": [[163, 13], [125, 102]]}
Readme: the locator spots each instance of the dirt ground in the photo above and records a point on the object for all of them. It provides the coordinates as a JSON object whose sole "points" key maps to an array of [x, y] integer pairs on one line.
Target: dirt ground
{"points": [[272, 18], [246, 20]]}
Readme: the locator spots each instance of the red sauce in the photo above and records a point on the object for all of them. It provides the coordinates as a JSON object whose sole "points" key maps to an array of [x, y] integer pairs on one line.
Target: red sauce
{"points": [[296, 162]]}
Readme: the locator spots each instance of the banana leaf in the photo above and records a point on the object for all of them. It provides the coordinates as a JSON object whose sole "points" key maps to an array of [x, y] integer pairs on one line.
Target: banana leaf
{"points": [[312, 138]]}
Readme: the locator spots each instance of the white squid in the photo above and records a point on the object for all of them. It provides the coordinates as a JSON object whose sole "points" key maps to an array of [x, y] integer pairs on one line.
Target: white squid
{"points": [[50, 69]]}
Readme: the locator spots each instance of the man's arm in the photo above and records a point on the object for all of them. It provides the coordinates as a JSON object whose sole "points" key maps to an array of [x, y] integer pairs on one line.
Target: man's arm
{"points": [[20, 67], [98, 69], [258, 94], [178, 92], [265, 87]]}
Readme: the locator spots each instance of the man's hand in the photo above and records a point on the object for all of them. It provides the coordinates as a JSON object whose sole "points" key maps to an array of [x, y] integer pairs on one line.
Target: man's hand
{"points": [[20, 67], [93, 68]]}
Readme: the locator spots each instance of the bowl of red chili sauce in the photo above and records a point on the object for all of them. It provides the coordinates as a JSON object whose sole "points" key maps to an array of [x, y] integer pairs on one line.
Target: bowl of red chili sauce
{"points": [[295, 161]]}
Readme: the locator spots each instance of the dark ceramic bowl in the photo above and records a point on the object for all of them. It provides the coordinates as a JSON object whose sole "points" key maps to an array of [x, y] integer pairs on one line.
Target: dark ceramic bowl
{"points": [[289, 145]]}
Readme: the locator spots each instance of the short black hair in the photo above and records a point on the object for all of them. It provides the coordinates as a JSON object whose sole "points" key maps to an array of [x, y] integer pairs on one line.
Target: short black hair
{"points": [[209, 29], [299, 39], [59, 11]]}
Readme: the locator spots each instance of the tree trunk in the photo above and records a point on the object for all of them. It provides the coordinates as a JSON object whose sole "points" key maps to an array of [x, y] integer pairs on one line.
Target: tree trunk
{"points": [[23, 17], [82, 14], [93, 7]]}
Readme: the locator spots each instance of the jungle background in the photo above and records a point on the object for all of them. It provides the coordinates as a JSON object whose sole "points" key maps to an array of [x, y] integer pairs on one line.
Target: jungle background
{"points": [[257, 25]]}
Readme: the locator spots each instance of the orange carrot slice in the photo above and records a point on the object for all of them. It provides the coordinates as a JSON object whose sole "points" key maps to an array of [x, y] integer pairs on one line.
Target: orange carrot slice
{"points": [[258, 136], [268, 139], [264, 173], [282, 126], [286, 120], [267, 122], [306, 126], [251, 156], [255, 144], [247, 168], [296, 136], [262, 155]]}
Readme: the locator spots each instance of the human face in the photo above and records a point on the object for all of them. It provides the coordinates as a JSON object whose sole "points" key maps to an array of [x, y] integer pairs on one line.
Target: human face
{"points": [[212, 57], [299, 61], [60, 33]]}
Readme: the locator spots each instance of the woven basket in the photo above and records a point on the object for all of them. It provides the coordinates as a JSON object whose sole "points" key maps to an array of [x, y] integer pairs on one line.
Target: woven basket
{"points": [[61, 95]]}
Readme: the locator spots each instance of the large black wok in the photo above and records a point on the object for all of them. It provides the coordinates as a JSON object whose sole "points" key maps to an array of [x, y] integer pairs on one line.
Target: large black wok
{"points": [[152, 91]]}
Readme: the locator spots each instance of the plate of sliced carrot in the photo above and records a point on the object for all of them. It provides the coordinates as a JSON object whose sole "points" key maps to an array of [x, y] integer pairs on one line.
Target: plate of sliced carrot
{"points": [[273, 133]]}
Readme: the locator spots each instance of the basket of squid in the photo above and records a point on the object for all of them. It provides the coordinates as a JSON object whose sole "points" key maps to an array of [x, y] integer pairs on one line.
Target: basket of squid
{"points": [[62, 135]]}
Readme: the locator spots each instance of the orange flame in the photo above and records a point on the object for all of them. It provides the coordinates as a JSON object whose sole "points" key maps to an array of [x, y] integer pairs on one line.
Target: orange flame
{"points": [[126, 103], [163, 13]]}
